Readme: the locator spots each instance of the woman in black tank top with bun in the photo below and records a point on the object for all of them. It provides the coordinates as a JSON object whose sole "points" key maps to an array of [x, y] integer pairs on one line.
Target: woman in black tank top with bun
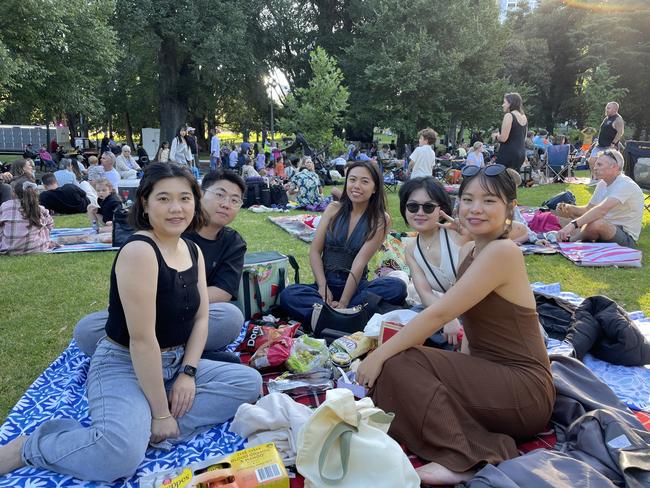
{"points": [[146, 382], [512, 138]]}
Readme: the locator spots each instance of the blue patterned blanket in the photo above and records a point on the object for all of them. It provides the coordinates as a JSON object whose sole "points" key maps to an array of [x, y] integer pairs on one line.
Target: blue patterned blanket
{"points": [[60, 392], [82, 239]]}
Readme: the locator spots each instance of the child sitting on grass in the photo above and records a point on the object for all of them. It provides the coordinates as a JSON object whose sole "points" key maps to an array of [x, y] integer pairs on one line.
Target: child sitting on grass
{"points": [[24, 224], [95, 171], [107, 203]]}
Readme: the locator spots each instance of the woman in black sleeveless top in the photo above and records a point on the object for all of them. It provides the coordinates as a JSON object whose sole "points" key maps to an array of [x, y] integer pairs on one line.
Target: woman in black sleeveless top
{"points": [[512, 138], [146, 382]]}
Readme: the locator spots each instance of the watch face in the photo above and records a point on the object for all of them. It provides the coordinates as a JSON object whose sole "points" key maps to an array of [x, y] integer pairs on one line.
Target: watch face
{"points": [[189, 370]]}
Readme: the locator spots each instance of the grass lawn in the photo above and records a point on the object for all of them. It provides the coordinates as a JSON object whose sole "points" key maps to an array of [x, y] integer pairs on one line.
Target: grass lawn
{"points": [[43, 296]]}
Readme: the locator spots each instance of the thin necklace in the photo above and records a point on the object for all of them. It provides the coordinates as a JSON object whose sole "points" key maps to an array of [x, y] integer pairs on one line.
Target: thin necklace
{"points": [[428, 246]]}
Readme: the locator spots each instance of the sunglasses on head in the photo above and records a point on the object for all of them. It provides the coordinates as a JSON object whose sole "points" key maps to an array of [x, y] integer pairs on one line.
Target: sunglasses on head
{"points": [[428, 207], [492, 170]]}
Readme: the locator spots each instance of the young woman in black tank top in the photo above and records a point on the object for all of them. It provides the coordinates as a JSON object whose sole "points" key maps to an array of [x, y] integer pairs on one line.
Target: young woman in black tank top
{"points": [[512, 138], [146, 383]]}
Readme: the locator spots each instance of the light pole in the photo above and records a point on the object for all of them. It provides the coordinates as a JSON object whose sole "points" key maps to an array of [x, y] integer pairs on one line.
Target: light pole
{"points": [[272, 85]]}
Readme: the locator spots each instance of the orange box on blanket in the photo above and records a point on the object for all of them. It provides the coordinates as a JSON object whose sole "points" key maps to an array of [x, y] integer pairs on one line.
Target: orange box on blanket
{"points": [[249, 468], [388, 330]]}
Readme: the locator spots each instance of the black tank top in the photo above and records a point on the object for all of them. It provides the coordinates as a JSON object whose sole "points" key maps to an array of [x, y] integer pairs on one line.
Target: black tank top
{"points": [[512, 152], [177, 300], [607, 132]]}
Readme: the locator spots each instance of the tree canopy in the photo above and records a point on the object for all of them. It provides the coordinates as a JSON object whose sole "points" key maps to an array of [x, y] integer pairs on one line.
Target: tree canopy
{"points": [[404, 64]]}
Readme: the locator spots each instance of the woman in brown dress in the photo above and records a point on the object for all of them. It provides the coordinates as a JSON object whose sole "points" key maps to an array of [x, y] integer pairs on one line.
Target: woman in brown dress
{"points": [[460, 411]]}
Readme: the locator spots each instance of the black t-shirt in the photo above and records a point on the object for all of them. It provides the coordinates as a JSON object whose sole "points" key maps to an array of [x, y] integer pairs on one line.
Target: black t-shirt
{"points": [[177, 301], [224, 259], [67, 199], [108, 206]]}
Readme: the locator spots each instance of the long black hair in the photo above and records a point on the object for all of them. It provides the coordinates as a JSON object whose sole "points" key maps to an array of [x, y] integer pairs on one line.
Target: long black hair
{"points": [[376, 210], [179, 136], [153, 173], [434, 189]]}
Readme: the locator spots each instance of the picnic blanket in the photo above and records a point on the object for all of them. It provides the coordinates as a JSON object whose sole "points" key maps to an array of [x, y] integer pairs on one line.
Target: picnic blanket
{"points": [[60, 393], [80, 240], [302, 226], [599, 254], [631, 384]]}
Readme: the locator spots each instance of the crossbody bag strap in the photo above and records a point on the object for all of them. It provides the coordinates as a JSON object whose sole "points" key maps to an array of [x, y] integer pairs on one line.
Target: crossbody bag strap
{"points": [[451, 257], [417, 241]]}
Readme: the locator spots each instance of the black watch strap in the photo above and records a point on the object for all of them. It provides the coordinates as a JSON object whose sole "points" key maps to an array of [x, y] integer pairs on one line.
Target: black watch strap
{"points": [[575, 223], [189, 371]]}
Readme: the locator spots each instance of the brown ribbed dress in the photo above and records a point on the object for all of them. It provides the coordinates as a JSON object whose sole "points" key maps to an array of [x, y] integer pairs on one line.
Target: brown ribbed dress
{"points": [[464, 410]]}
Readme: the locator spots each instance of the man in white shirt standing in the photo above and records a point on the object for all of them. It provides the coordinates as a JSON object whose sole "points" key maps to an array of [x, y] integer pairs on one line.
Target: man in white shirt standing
{"points": [[615, 211], [215, 149], [423, 158]]}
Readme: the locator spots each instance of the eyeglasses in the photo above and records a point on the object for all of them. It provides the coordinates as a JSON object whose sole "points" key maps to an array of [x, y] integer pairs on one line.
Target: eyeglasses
{"points": [[428, 207], [492, 170], [222, 197]]}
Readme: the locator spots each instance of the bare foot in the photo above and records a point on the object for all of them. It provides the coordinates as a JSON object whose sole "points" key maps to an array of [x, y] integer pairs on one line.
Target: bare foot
{"points": [[436, 474], [10, 455]]}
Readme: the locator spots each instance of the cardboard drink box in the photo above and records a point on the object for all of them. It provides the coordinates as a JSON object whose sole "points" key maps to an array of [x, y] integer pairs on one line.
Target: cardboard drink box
{"points": [[388, 330], [249, 468]]}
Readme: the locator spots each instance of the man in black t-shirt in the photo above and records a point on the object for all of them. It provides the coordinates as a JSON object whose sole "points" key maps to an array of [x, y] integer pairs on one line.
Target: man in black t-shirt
{"points": [[66, 199], [223, 251]]}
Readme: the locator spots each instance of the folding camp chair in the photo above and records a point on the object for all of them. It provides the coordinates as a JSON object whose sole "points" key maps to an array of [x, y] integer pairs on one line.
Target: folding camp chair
{"points": [[557, 164]]}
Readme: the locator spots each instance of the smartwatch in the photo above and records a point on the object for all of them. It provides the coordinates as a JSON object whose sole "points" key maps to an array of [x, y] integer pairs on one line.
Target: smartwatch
{"points": [[575, 223], [189, 371]]}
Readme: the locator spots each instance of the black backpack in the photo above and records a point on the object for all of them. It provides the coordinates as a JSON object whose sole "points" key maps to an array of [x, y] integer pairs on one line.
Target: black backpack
{"points": [[278, 195], [257, 193]]}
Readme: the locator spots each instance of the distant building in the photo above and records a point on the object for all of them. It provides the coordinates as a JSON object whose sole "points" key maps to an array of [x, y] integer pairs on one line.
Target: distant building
{"points": [[506, 6]]}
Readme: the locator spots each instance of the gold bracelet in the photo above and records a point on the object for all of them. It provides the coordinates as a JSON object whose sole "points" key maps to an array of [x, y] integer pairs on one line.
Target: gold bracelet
{"points": [[162, 418]]}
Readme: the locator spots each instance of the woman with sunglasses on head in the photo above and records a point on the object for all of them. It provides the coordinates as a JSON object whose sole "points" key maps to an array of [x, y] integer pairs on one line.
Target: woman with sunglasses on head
{"points": [[146, 383], [512, 138], [460, 411], [432, 256], [349, 234]]}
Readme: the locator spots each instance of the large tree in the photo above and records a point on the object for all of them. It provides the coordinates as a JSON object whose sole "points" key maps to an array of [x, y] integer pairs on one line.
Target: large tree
{"points": [[204, 48], [55, 59], [415, 63]]}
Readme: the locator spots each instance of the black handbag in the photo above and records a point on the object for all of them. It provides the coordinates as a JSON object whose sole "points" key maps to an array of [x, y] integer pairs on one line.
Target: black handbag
{"points": [[122, 230], [331, 323]]}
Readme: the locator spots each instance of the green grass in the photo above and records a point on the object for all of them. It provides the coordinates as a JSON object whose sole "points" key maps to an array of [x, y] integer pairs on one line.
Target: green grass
{"points": [[43, 296]]}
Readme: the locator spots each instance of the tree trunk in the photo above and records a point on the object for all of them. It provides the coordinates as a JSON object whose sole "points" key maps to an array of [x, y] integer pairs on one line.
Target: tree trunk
{"points": [[172, 99], [72, 127], [401, 141], [128, 130]]}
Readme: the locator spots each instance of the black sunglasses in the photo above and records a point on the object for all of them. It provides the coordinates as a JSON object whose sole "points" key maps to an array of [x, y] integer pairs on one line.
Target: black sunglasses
{"points": [[428, 207], [492, 170]]}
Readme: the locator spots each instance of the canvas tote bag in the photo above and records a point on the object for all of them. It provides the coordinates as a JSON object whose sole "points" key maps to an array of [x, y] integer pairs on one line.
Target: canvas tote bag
{"points": [[345, 444]]}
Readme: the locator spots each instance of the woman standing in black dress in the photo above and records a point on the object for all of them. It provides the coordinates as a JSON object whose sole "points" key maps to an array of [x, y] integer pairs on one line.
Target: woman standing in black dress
{"points": [[512, 149]]}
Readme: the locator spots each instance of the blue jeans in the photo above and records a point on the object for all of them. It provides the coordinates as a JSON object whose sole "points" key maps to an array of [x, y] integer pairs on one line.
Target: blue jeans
{"points": [[115, 443], [299, 300], [214, 162], [224, 324]]}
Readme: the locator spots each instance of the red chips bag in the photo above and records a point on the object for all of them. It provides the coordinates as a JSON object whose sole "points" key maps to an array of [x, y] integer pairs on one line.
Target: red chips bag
{"points": [[256, 335]]}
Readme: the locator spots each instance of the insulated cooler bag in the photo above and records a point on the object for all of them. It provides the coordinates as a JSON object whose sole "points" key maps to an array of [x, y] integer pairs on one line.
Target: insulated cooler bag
{"points": [[265, 275]]}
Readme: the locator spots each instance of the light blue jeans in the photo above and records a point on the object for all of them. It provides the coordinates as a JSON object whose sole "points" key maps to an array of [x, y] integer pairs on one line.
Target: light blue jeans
{"points": [[115, 443], [224, 324]]}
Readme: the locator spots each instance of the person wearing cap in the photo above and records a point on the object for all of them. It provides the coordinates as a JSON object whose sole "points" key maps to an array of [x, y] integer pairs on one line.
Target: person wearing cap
{"points": [[615, 211]]}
